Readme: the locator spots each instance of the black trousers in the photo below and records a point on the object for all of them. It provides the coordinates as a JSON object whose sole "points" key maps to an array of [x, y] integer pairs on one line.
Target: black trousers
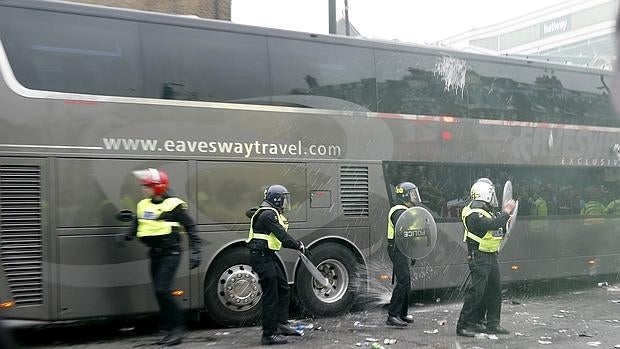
{"points": [[275, 289], [399, 304], [483, 295], [163, 268]]}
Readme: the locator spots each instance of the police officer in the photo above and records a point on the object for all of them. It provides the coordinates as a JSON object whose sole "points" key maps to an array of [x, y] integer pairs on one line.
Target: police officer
{"points": [[268, 233], [484, 230], [408, 196], [158, 222]]}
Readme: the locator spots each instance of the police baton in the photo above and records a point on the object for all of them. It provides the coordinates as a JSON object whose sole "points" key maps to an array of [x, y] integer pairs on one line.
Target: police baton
{"points": [[316, 274]]}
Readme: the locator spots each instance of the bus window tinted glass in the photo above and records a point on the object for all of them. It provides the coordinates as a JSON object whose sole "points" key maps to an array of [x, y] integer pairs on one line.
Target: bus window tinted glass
{"points": [[227, 190], [584, 98], [195, 64], [408, 84], [543, 94], [323, 76], [541, 191], [505, 92], [69, 53]]}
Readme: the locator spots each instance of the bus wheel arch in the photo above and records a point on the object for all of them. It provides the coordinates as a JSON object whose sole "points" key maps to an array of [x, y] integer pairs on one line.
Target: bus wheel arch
{"points": [[232, 294], [342, 263]]}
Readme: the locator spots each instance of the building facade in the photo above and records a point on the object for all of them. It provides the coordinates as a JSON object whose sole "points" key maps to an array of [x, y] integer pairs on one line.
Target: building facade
{"points": [[579, 32], [214, 9]]}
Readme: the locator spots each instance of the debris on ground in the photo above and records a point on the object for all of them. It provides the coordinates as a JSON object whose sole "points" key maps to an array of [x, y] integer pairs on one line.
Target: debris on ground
{"points": [[389, 341], [594, 344], [442, 322], [603, 284], [544, 342], [431, 331], [558, 315]]}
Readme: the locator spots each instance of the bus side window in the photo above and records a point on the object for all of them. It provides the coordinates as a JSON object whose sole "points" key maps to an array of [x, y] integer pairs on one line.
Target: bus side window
{"points": [[70, 53], [204, 65]]}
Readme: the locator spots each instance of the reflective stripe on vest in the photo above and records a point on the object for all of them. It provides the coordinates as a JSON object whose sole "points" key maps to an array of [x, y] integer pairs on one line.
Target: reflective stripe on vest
{"points": [[490, 241], [148, 213], [272, 241], [390, 226]]}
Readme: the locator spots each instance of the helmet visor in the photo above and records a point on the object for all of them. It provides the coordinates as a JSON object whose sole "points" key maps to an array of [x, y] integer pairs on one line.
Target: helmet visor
{"points": [[145, 177], [414, 196], [286, 202], [494, 202]]}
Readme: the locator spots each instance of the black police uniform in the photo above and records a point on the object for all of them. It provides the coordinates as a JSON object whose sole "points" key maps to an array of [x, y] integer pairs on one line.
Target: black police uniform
{"points": [[271, 275], [484, 293], [165, 256], [399, 303]]}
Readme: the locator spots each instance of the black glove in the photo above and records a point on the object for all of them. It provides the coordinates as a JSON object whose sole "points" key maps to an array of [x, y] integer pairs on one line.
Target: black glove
{"points": [[194, 259]]}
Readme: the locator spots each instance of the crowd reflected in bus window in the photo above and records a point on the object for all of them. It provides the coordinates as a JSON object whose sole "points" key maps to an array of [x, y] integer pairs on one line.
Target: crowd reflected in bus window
{"points": [[542, 192]]}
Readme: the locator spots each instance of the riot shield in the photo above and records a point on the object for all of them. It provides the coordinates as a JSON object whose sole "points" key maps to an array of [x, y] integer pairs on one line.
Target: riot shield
{"points": [[415, 233], [506, 196]]}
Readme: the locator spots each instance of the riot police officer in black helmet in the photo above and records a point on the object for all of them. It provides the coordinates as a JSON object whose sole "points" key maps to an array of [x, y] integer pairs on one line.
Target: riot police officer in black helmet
{"points": [[268, 233], [408, 196]]}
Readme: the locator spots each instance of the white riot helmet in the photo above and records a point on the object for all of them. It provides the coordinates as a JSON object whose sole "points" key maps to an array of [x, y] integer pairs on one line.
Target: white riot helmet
{"points": [[484, 190]]}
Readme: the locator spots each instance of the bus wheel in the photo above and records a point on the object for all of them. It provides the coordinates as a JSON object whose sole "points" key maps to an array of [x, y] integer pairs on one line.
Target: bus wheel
{"points": [[232, 291], [340, 266]]}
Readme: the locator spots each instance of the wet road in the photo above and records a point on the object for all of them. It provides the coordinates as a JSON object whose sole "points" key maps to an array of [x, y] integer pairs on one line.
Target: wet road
{"points": [[582, 316]]}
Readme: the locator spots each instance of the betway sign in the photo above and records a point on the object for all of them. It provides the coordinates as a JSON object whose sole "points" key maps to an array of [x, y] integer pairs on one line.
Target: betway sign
{"points": [[556, 26]]}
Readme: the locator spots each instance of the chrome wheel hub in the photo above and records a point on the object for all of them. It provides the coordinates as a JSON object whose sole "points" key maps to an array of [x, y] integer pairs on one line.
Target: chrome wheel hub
{"points": [[238, 288], [338, 277]]}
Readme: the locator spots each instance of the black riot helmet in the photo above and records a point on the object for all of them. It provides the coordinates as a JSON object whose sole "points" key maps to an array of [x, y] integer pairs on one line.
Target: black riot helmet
{"points": [[279, 197], [407, 192]]}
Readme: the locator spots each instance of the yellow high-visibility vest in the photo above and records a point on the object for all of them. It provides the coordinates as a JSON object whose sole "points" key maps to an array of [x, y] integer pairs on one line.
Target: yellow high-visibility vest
{"points": [[148, 213], [272, 241], [491, 240], [390, 226]]}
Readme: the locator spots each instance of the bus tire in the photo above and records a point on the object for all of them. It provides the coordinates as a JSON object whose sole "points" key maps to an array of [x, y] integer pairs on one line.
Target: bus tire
{"points": [[341, 267], [232, 292]]}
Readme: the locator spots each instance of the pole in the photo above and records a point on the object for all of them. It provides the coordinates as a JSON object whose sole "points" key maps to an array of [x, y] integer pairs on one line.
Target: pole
{"points": [[346, 16], [332, 17]]}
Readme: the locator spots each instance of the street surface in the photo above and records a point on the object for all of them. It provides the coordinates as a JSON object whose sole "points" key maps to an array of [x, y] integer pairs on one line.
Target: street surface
{"points": [[582, 314]]}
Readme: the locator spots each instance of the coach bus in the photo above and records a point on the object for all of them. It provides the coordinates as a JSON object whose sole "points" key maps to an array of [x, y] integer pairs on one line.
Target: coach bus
{"points": [[90, 93]]}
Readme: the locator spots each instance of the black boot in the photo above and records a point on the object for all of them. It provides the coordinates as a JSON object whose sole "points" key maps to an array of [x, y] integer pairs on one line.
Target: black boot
{"points": [[174, 337], [286, 330], [407, 318], [274, 339], [465, 332], [394, 321]]}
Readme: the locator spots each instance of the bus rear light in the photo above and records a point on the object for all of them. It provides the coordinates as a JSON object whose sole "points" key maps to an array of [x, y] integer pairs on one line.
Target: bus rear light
{"points": [[514, 267], [7, 304], [384, 277], [178, 293]]}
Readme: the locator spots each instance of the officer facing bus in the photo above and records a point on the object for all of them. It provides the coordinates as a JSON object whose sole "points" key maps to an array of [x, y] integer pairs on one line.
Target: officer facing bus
{"points": [[158, 222], [484, 230], [268, 233], [408, 196]]}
